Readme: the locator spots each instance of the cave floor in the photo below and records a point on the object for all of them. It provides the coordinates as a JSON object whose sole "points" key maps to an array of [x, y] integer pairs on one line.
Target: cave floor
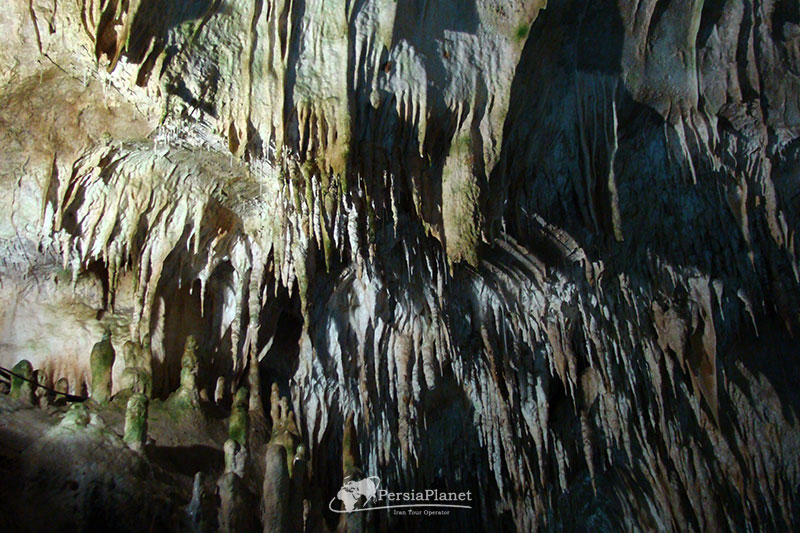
{"points": [[61, 476]]}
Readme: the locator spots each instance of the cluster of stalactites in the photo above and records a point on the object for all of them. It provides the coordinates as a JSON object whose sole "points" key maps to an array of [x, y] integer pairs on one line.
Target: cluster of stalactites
{"points": [[638, 373], [138, 207], [177, 210]]}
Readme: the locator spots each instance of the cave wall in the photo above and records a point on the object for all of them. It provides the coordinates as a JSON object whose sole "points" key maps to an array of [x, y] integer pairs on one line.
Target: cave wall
{"points": [[544, 250]]}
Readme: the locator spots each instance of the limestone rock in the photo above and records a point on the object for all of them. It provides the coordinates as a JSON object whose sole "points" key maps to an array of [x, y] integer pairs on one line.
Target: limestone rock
{"points": [[201, 508], [543, 251], [135, 377], [236, 506], [236, 457], [41, 392], [136, 421], [22, 381], [239, 422], [102, 359], [276, 490], [62, 387]]}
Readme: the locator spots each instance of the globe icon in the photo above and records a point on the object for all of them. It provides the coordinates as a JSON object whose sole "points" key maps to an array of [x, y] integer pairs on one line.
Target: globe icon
{"points": [[352, 491]]}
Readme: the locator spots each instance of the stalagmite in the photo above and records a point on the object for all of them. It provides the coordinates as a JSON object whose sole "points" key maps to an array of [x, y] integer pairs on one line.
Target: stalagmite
{"points": [[239, 423], [351, 470], [136, 421], [276, 490], [62, 386], [135, 377], [77, 416], [41, 393], [199, 510], [284, 428], [189, 366], [298, 504], [235, 506], [22, 383], [101, 361], [219, 390]]}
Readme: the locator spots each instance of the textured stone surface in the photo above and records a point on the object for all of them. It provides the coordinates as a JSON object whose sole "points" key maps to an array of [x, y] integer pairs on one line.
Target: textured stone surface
{"points": [[22, 380], [72, 472], [544, 253], [101, 361], [136, 422]]}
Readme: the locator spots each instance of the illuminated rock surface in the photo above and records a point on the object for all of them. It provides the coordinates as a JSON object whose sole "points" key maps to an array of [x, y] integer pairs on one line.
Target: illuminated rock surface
{"points": [[542, 251]]}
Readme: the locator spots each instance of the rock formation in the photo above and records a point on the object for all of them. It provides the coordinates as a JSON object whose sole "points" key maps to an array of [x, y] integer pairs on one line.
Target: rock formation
{"points": [[62, 387], [188, 394], [136, 377], [41, 393], [239, 423], [101, 361], [136, 422], [22, 381], [276, 491], [542, 251], [199, 511]]}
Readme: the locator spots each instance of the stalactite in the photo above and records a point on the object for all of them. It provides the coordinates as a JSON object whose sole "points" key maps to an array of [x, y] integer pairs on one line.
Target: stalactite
{"points": [[546, 251]]}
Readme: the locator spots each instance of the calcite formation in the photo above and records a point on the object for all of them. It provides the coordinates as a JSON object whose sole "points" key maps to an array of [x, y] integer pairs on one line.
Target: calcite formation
{"points": [[101, 360], [22, 381], [62, 388], [136, 376], [276, 490], [239, 422], [542, 251], [188, 394], [136, 422]]}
